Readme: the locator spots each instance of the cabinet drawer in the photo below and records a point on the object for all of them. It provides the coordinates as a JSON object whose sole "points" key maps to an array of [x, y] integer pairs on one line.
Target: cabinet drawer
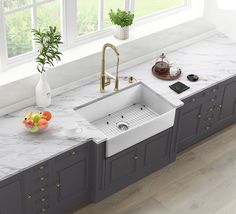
{"points": [[72, 156]]}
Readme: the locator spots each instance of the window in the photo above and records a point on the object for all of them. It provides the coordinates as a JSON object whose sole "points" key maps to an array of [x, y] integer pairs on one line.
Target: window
{"points": [[144, 7], [74, 18], [227, 4]]}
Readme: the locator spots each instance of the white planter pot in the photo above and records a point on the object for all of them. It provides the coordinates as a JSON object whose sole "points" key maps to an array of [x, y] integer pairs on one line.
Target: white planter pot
{"points": [[43, 92], [121, 33]]}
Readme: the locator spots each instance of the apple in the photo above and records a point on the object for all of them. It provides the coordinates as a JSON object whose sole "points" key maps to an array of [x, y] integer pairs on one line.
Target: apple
{"points": [[36, 117], [43, 124], [34, 129], [29, 123]]}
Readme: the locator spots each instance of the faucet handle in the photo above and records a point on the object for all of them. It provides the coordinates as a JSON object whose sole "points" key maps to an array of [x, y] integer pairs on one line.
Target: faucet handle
{"points": [[131, 79]]}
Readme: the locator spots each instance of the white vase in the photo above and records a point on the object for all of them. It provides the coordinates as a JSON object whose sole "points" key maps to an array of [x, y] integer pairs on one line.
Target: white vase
{"points": [[43, 92], [121, 33]]}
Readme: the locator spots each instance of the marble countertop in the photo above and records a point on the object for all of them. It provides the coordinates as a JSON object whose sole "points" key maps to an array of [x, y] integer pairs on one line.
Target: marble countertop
{"points": [[212, 59]]}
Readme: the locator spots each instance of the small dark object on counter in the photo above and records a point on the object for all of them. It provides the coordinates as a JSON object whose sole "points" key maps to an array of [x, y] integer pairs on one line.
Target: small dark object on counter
{"points": [[193, 77], [179, 87]]}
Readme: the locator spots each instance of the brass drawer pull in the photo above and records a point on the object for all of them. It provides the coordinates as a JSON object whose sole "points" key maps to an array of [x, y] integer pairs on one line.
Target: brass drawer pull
{"points": [[43, 199], [41, 167], [199, 116], [58, 185], [220, 106], [29, 196], [193, 100], [211, 109], [73, 153], [42, 178], [42, 189], [43, 210], [136, 157], [209, 119], [212, 100], [214, 90]]}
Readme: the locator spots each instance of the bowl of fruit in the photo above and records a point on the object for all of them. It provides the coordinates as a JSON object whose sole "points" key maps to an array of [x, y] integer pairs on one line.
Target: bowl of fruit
{"points": [[35, 122]]}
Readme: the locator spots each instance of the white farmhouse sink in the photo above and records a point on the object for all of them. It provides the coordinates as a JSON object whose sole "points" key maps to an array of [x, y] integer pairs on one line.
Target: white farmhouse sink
{"points": [[130, 116]]}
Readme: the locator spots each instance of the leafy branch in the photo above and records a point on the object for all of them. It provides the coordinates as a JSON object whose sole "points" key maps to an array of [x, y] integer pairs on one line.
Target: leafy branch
{"points": [[48, 42], [122, 18]]}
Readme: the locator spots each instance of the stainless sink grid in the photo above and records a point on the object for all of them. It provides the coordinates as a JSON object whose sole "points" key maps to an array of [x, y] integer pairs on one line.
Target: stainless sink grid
{"points": [[134, 116]]}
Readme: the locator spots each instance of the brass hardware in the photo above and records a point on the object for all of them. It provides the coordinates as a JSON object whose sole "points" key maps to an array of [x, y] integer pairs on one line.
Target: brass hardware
{"points": [[58, 185], [136, 157], [212, 100], [214, 90], [43, 210], [43, 199], [41, 167], [131, 79], [209, 118], [220, 106], [208, 127], [105, 78], [199, 116], [73, 153], [42, 189], [211, 109], [193, 100], [42, 178], [29, 196]]}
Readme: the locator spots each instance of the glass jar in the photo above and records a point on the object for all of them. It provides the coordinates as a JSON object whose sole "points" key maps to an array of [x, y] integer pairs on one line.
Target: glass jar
{"points": [[162, 66]]}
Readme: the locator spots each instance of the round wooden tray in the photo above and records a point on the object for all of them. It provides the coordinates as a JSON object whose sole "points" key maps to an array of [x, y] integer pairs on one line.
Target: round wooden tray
{"points": [[166, 77]]}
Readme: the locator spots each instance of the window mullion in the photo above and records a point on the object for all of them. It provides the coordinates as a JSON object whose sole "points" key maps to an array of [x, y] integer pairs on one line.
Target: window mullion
{"points": [[132, 5], [3, 41], [69, 21], [34, 20], [100, 14]]}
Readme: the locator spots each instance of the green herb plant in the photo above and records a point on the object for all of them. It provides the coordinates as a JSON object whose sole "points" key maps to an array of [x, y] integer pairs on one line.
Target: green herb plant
{"points": [[121, 17], [48, 41]]}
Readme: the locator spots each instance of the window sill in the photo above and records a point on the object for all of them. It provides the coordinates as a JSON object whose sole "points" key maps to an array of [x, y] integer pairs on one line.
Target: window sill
{"points": [[81, 51]]}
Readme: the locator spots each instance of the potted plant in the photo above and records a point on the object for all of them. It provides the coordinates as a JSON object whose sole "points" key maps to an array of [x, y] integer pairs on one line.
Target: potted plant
{"points": [[121, 20], [48, 42]]}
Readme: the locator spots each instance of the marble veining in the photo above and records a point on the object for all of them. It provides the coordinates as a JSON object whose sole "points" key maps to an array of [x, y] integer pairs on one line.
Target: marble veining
{"points": [[212, 59]]}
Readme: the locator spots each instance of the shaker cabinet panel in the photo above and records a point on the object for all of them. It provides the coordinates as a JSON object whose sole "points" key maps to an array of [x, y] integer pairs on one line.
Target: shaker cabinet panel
{"points": [[11, 198], [122, 166], [228, 108]]}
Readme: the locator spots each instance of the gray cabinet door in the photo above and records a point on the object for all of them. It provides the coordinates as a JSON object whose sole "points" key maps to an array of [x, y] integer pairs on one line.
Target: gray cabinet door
{"points": [[71, 179], [190, 121], [156, 151], [11, 198], [228, 104], [121, 169]]}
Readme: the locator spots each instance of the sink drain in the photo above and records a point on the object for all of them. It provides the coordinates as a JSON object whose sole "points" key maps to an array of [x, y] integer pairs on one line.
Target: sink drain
{"points": [[123, 126]]}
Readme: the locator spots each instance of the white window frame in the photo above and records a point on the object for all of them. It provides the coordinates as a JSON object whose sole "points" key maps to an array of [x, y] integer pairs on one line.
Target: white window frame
{"points": [[69, 27]]}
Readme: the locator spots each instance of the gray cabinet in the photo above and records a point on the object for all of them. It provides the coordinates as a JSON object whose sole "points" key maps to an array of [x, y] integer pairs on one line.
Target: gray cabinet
{"points": [[11, 197], [228, 104], [138, 161], [190, 120], [71, 179]]}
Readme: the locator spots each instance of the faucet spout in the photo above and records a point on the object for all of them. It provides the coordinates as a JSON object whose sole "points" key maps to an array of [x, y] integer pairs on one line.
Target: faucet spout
{"points": [[105, 78]]}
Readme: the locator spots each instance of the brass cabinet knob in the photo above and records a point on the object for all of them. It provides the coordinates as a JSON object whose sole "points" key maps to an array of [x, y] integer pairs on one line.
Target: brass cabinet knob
{"points": [[29, 196], [42, 178], [209, 118], [42, 189], [73, 153], [220, 106], [193, 99], [214, 90], [43, 199], [41, 167], [136, 157], [43, 209], [199, 116], [211, 109], [212, 100], [208, 127], [58, 185]]}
